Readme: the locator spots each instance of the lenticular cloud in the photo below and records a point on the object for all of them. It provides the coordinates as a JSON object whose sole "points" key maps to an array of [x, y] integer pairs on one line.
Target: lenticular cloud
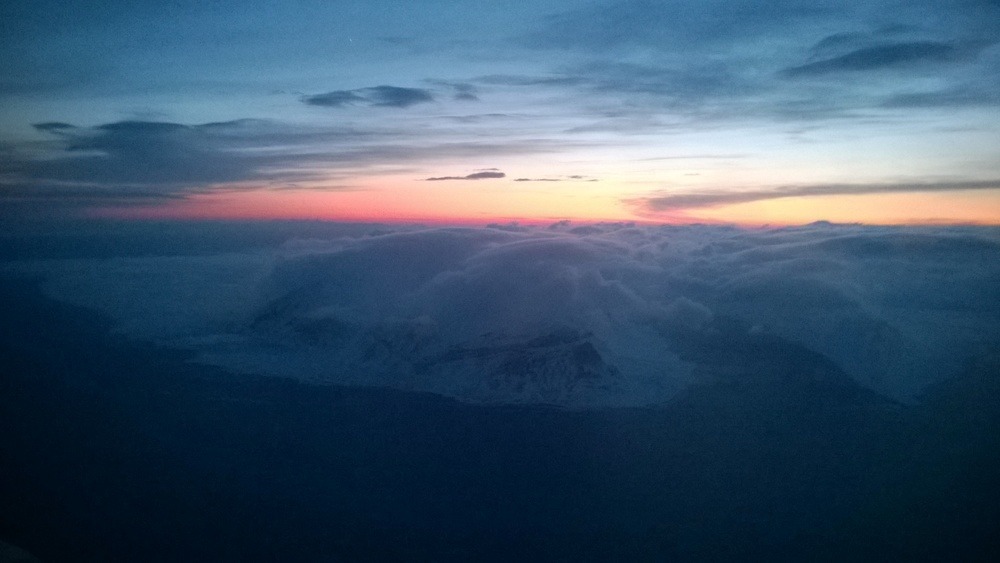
{"points": [[606, 315]]}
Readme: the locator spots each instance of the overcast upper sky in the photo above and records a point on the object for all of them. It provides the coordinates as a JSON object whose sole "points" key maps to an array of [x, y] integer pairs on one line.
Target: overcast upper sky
{"points": [[783, 111]]}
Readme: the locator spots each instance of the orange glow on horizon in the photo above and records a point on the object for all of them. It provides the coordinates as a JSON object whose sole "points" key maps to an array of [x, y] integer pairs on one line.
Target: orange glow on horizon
{"points": [[462, 203], [976, 207], [436, 204]]}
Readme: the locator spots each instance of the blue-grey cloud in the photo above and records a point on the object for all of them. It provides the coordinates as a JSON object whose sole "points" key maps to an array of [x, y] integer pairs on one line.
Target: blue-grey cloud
{"points": [[531, 80], [156, 158], [53, 126], [334, 99], [699, 89], [694, 28], [837, 43], [968, 96], [135, 161], [653, 97], [376, 96], [484, 175], [485, 117], [670, 24], [722, 89], [465, 92], [715, 62], [878, 58], [461, 91], [691, 80], [713, 198]]}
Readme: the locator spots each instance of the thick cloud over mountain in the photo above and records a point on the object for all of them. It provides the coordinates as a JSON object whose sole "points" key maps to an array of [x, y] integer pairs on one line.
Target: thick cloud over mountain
{"points": [[577, 316]]}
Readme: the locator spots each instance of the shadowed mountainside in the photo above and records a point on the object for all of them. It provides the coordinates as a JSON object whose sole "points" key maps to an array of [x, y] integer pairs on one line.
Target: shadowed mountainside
{"points": [[116, 451]]}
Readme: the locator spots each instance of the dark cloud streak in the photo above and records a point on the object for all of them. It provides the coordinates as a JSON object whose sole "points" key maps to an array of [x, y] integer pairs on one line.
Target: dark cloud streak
{"points": [[376, 96], [157, 157], [878, 58], [484, 175], [968, 96], [572, 177], [702, 199], [52, 126]]}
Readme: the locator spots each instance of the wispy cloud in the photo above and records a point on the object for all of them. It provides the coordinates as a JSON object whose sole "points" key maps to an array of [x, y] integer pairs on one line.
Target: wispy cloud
{"points": [[376, 96], [460, 91], [531, 80], [878, 58], [133, 160], [465, 92], [571, 177], [484, 175], [969, 95], [714, 198], [673, 73]]}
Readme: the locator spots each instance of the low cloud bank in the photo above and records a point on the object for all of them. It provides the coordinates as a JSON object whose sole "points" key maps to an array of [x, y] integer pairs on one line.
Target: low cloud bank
{"points": [[601, 315]]}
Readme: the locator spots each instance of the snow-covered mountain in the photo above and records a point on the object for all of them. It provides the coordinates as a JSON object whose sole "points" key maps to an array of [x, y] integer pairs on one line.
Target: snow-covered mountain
{"points": [[544, 364], [601, 315]]}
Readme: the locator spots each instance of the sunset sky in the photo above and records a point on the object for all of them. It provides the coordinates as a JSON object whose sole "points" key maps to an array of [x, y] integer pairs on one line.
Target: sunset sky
{"points": [[500, 280], [779, 112]]}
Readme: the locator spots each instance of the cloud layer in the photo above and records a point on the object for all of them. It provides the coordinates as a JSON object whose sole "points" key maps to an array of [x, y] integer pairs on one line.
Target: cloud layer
{"points": [[578, 316], [133, 162], [163, 159]]}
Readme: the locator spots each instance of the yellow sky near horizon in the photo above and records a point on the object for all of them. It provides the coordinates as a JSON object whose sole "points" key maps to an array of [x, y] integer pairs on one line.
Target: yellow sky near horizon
{"points": [[980, 207]]}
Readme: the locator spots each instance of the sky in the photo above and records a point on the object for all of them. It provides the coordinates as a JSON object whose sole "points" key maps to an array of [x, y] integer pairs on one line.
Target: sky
{"points": [[779, 112], [551, 203]]}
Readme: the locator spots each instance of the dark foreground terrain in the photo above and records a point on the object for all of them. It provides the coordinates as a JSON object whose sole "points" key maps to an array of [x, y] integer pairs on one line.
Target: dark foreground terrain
{"points": [[116, 451]]}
